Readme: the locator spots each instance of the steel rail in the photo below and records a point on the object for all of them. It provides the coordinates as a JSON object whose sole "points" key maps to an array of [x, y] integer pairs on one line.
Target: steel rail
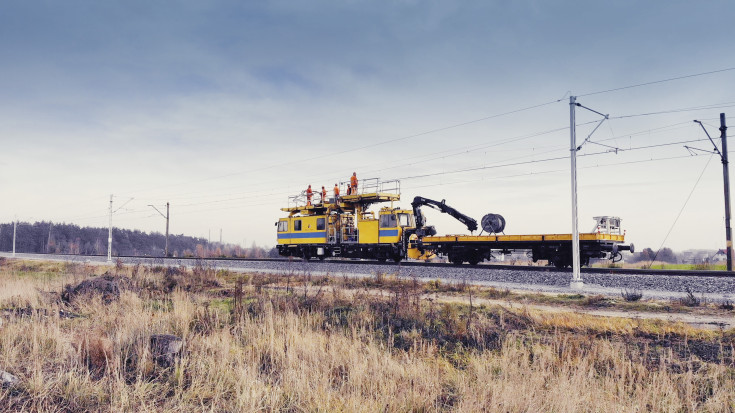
{"points": [[488, 267]]}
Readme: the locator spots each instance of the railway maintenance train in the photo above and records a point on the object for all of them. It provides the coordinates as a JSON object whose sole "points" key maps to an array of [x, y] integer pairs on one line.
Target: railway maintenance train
{"points": [[344, 226]]}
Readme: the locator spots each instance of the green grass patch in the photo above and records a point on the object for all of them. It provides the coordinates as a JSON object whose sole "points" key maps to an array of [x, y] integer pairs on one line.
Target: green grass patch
{"points": [[222, 304], [162, 305]]}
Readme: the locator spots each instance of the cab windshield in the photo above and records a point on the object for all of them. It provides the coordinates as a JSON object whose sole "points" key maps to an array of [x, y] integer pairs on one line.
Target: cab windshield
{"points": [[405, 220]]}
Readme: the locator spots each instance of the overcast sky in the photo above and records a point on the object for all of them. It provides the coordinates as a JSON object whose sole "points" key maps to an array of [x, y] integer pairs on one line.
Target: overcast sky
{"points": [[226, 108]]}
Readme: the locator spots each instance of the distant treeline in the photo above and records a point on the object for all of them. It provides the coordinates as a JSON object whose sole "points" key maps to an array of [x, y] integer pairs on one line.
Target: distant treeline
{"points": [[47, 237]]}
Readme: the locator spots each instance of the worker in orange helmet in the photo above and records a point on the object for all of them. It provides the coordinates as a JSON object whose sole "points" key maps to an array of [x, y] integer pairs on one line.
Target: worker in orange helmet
{"points": [[336, 194], [353, 183], [308, 196], [324, 195]]}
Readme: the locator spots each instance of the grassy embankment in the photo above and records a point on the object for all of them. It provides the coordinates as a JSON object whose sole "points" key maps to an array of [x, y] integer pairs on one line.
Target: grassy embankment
{"points": [[302, 343]]}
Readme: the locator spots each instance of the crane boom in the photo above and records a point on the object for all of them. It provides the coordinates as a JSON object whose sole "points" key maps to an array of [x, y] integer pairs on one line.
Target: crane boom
{"points": [[444, 208]]}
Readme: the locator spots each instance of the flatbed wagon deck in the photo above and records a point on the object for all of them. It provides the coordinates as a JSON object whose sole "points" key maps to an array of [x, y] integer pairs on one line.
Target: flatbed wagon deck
{"points": [[556, 248]]}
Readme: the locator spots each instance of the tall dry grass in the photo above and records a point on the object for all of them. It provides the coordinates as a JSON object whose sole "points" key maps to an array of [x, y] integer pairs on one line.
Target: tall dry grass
{"points": [[316, 350]]}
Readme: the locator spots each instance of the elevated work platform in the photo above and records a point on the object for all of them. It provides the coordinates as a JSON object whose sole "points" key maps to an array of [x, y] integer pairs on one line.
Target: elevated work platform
{"points": [[369, 198], [370, 191]]}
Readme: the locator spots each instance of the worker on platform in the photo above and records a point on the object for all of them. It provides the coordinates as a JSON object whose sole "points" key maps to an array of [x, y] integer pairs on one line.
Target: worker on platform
{"points": [[308, 196], [353, 183], [336, 194], [324, 195]]}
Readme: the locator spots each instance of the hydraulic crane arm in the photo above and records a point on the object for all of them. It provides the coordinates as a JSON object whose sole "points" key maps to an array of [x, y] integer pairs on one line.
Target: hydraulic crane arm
{"points": [[443, 207]]}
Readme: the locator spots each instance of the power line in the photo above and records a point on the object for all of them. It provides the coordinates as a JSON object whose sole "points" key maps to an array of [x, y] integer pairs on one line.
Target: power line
{"points": [[260, 194], [681, 210], [475, 148], [537, 161], [469, 180], [692, 109], [332, 154], [657, 82]]}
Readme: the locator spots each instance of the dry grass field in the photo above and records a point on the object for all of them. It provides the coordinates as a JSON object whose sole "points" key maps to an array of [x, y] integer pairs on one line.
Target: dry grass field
{"points": [[297, 343]]}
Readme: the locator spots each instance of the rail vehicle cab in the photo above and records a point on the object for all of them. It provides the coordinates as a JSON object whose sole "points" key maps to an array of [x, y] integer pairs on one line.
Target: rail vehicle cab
{"points": [[607, 225], [302, 230], [345, 227]]}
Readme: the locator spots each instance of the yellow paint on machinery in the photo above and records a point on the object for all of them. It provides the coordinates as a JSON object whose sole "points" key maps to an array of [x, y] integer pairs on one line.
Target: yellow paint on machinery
{"points": [[344, 227], [367, 231], [513, 238], [302, 230]]}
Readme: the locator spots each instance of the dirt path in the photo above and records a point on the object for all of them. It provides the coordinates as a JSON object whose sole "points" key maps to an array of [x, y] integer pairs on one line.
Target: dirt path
{"points": [[708, 321], [704, 321]]}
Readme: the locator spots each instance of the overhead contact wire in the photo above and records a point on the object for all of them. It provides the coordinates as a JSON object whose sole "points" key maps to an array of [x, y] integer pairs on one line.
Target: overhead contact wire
{"points": [[681, 211]]}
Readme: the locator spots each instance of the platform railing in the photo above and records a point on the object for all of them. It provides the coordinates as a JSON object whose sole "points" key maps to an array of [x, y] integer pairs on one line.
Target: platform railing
{"points": [[365, 186], [370, 185], [391, 186]]}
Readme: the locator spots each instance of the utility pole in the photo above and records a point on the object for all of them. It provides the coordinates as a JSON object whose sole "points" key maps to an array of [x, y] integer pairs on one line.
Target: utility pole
{"points": [[576, 276], [48, 243], [15, 224], [726, 175], [576, 261], [165, 216], [726, 180], [109, 235]]}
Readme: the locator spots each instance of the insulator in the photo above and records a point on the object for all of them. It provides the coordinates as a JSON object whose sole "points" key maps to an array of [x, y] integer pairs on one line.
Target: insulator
{"points": [[493, 223]]}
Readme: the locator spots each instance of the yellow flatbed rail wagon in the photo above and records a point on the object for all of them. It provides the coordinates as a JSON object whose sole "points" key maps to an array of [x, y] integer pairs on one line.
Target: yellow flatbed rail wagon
{"points": [[344, 226], [555, 248]]}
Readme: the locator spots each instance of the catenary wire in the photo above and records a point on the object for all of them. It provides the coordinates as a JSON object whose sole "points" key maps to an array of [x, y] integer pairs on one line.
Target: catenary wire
{"points": [[681, 210], [657, 82]]}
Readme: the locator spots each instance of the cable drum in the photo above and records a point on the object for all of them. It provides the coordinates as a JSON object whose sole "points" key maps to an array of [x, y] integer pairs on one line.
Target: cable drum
{"points": [[493, 223]]}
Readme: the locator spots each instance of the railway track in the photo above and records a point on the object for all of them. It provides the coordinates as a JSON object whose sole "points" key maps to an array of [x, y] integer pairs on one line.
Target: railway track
{"points": [[711, 285], [485, 267]]}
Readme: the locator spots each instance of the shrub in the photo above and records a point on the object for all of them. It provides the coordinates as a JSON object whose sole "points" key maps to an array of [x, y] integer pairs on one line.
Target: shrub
{"points": [[631, 296], [434, 284], [690, 300]]}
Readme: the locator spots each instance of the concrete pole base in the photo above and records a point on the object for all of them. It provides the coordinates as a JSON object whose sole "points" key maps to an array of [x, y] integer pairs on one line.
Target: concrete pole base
{"points": [[576, 285]]}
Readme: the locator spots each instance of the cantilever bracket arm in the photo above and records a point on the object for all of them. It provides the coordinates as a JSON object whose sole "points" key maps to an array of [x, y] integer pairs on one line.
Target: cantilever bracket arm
{"points": [[693, 151], [152, 206], [717, 151], [604, 118], [125, 203]]}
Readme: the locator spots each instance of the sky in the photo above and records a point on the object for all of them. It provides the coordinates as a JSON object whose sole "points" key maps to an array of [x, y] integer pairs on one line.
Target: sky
{"points": [[224, 109]]}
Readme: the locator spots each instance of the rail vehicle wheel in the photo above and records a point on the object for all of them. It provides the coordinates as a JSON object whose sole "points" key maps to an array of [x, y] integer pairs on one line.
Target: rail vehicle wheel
{"points": [[322, 257], [306, 256], [381, 258], [558, 262], [455, 259], [474, 260], [397, 258]]}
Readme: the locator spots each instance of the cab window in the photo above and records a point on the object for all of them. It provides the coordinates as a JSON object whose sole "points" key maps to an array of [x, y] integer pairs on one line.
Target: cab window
{"points": [[297, 225], [405, 220], [388, 221], [320, 224], [282, 226]]}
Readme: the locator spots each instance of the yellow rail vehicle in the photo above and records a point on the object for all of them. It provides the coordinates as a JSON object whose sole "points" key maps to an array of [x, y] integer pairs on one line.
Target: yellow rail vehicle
{"points": [[345, 227]]}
